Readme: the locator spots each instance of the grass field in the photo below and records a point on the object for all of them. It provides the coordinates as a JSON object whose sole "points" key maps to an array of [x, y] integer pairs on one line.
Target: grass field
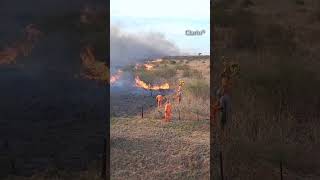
{"points": [[142, 148], [148, 148], [275, 100]]}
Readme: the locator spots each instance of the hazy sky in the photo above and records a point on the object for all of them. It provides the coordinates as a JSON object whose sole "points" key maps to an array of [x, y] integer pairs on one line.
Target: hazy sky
{"points": [[169, 17]]}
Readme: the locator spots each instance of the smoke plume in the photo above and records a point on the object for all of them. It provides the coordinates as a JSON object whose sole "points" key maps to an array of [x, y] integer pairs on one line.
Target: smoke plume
{"points": [[127, 48]]}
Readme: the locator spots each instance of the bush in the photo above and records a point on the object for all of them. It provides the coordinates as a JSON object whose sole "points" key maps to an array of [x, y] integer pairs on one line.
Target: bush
{"points": [[154, 76], [182, 67], [192, 73], [199, 89]]}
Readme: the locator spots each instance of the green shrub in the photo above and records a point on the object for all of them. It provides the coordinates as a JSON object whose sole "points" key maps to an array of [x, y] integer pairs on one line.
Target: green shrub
{"points": [[154, 76]]}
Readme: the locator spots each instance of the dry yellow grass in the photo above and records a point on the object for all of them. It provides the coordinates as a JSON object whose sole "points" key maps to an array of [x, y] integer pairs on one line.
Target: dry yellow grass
{"points": [[262, 133], [150, 149]]}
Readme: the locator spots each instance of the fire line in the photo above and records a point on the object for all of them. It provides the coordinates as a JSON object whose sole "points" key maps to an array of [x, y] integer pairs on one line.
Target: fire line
{"points": [[143, 85]]}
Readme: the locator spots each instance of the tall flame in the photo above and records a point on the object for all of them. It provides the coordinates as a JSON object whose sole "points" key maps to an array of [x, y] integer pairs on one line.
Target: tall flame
{"points": [[143, 85], [114, 78], [148, 66]]}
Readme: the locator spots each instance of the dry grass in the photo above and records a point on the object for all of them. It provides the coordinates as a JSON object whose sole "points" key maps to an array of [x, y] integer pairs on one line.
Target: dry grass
{"points": [[92, 173], [147, 147], [196, 91], [161, 73], [275, 112]]}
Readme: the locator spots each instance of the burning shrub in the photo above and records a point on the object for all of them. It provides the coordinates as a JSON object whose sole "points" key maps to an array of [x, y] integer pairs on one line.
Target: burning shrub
{"points": [[23, 46], [8, 56], [92, 68]]}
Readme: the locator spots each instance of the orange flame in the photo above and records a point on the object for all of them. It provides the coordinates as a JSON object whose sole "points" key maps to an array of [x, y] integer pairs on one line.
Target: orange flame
{"points": [[148, 66], [143, 85], [115, 77], [157, 61]]}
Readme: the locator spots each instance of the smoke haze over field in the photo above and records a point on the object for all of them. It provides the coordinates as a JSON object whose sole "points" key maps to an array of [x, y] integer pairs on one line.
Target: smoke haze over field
{"points": [[126, 48]]}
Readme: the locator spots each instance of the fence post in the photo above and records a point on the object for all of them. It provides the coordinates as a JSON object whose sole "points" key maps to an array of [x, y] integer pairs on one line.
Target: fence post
{"points": [[104, 160], [11, 158], [13, 166], [281, 175], [142, 112], [221, 166], [197, 115]]}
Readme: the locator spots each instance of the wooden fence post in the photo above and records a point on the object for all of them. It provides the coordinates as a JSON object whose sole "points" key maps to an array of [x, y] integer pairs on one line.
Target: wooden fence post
{"points": [[221, 166], [104, 160], [11, 157], [281, 175], [13, 166], [197, 115], [142, 112]]}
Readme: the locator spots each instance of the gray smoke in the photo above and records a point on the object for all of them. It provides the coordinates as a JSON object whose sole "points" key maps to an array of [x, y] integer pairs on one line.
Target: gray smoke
{"points": [[127, 48]]}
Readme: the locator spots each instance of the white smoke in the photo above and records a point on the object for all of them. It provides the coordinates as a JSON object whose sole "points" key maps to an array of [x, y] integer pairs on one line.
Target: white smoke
{"points": [[127, 48]]}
